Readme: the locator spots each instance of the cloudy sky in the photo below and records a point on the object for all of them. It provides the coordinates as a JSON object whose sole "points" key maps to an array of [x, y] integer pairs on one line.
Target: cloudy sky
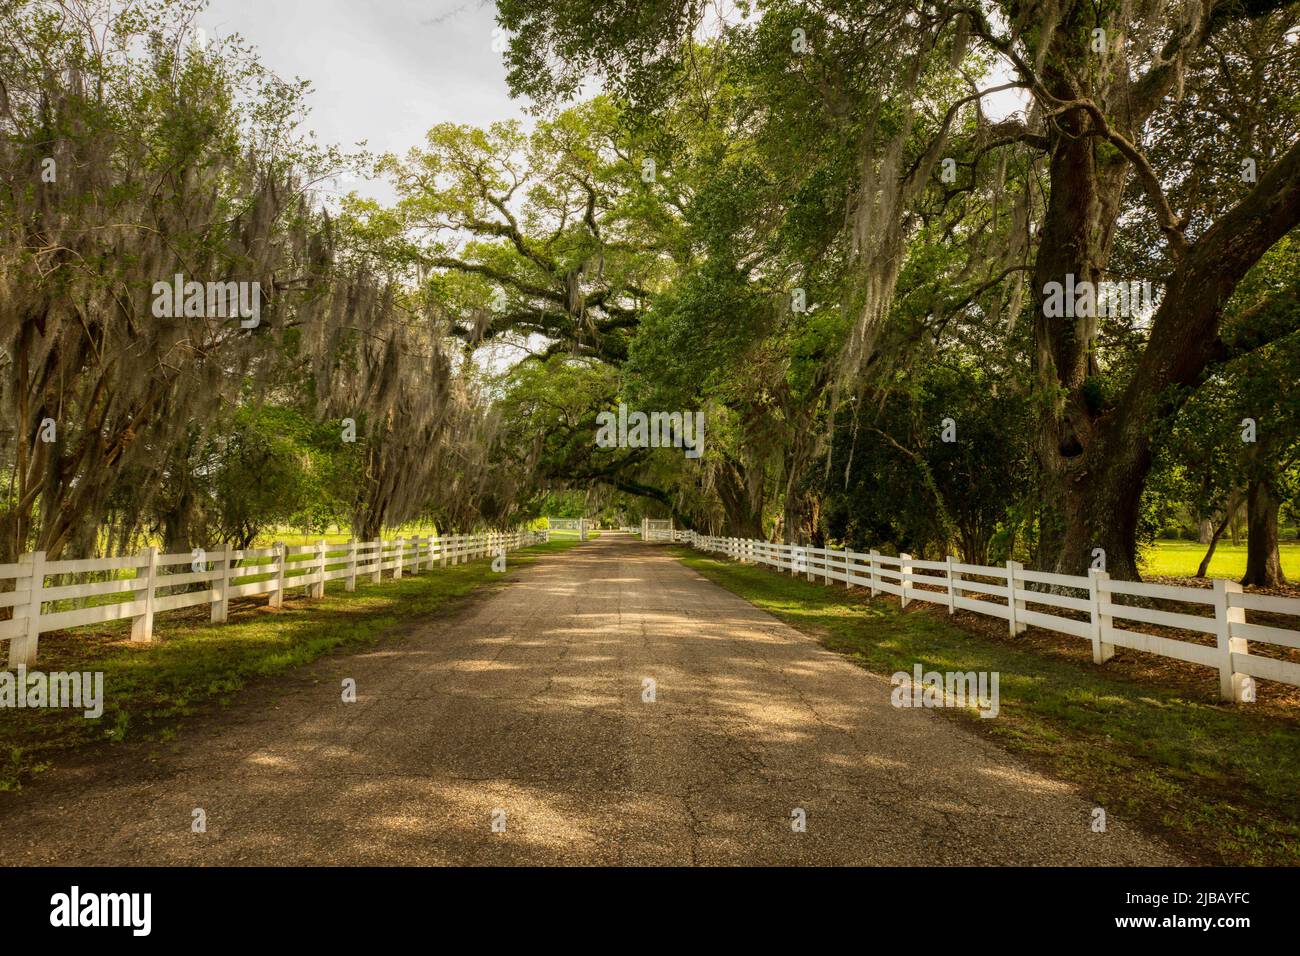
{"points": [[383, 71]]}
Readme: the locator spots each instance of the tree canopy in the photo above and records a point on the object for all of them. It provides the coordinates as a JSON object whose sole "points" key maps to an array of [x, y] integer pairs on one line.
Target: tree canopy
{"points": [[997, 279]]}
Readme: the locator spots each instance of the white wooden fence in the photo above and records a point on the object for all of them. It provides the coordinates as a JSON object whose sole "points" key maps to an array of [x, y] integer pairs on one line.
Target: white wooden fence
{"points": [[227, 573], [1093, 604]]}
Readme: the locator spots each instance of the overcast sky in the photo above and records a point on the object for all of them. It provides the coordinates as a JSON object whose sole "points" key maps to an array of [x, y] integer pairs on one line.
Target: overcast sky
{"points": [[383, 71]]}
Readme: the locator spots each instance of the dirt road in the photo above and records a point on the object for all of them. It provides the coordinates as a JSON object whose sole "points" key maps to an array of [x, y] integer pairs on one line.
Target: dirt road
{"points": [[528, 709]]}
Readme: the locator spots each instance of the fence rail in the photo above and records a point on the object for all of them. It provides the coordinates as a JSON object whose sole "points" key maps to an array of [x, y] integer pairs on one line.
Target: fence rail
{"points": [[227, 573], [1023, 597]]}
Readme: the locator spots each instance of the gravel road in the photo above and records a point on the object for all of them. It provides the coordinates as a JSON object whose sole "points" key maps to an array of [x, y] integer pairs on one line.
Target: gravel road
{"points": [[527, 708]]}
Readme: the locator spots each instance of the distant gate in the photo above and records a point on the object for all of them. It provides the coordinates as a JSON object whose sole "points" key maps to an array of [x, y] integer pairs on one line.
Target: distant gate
{"points": [[579, 525], [656, 529]]}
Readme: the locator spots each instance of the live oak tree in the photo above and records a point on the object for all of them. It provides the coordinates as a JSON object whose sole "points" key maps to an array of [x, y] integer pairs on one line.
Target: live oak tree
{"points": [[1097, 107], [1103, 83], [120, 167], [548, 428], [555, 236], [130, 153]]}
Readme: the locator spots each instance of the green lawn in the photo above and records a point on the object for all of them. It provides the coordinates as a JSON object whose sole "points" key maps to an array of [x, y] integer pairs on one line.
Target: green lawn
{"points": [[150, 689], [560, 534], [1215, 779], [1180, 558]]}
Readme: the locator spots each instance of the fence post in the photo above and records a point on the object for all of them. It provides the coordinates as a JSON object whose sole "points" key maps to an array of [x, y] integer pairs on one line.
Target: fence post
{"points": [[377, 575], [221, 605], [318, 589], [142, 625], [442, 550], [1099, 598], [1232, 685], [277, 596], [872, 572], [22, 647], [397, 570], [351, 584], [1014, 607], [952, 586], [903, 561]]}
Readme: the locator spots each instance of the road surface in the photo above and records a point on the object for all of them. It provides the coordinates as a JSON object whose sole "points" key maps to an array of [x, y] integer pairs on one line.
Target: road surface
{"points": [[528, 710]]}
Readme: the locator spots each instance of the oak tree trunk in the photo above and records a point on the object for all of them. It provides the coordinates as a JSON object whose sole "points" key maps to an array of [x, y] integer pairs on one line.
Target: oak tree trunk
{"points": [[1263, 563]]}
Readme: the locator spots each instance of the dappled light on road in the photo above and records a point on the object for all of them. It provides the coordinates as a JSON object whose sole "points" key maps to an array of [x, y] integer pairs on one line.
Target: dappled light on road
{"points": [[607, 706]]}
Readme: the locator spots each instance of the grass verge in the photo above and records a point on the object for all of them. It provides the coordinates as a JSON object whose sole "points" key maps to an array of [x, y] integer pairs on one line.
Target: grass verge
{"points": [[149, 689], [1215, 780]]}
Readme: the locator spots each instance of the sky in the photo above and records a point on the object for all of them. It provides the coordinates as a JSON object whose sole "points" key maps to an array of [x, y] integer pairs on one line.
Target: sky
{"points": [[383, 71]]}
